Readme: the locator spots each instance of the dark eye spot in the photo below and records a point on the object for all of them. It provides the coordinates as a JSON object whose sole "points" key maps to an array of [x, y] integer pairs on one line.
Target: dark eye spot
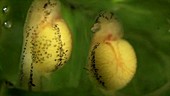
{"points": [[45, 5]]}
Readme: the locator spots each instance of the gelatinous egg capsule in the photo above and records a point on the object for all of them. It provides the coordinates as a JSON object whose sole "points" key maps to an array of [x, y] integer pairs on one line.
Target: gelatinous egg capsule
{"points": [[112, 60], [47, 43]]}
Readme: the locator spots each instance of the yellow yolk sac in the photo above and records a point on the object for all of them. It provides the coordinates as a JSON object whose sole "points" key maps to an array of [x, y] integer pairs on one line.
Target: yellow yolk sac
{"points": [[112, 60], [47, 43]]}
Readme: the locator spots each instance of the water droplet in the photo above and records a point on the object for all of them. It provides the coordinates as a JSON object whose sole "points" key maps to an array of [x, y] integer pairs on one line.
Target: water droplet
{"points": [[168, 20], [7, 24], [169, 30], [5, 9]]}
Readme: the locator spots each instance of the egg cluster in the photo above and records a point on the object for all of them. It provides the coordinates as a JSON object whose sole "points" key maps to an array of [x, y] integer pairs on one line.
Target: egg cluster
{"points": [[47, 45]]}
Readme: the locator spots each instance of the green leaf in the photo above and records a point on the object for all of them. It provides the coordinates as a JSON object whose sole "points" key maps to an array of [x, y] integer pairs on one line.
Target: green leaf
{"points": [[146, 25]]}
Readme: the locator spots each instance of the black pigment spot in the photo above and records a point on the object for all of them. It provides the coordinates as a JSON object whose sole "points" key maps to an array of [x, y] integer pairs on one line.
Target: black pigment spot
{"points": [[105, 16], [60, 51], [93, 69], [30, 83], [112, 14]]}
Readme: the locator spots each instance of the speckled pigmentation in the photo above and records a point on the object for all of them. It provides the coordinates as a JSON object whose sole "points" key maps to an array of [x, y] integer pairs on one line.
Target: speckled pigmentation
{"points": [[112, 60], [47, 43]]}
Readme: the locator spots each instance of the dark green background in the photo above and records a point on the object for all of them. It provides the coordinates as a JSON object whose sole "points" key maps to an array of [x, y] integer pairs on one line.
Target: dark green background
{"points": [[146, 26]]}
